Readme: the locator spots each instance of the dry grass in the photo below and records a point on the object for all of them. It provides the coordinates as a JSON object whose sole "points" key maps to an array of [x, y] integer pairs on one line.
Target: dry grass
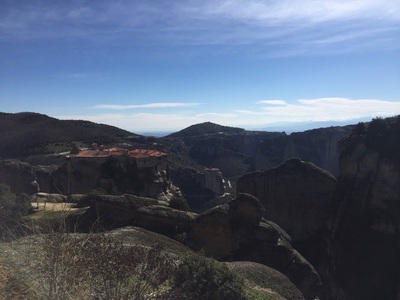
{"points": [[4, 275], [12, 286]]}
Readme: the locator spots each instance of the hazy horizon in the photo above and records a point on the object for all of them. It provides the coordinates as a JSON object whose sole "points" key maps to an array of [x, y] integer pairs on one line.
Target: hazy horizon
{"points": [[162, 66]]}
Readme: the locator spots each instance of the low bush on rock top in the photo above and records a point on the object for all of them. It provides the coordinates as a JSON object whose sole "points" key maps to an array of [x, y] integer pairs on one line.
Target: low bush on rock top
{"points": [[62, 265]]}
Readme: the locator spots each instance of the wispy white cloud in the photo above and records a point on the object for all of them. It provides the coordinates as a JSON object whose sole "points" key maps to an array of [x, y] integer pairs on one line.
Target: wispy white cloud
{"points": [[149, 105], [322, 109], [312, 11], [272, 102], [303, 110], [296, 25]]}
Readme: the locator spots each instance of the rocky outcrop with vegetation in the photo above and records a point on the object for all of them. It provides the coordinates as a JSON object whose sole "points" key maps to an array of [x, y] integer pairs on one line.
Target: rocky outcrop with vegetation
{"points": [[234, 231], [364, 228]]}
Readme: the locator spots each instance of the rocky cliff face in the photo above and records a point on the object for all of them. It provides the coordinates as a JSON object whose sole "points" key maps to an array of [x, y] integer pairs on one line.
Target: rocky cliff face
{"points": [[236, 231], [364, 228], [319, 146], [296, 195], [20, 175], [113, 175]]}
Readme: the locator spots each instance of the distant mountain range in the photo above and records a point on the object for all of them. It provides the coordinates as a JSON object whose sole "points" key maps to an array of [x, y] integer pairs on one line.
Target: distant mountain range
{"points": [[290, 127]]}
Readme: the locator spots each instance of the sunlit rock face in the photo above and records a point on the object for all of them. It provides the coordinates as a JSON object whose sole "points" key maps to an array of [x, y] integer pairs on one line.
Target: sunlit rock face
{"points": [[319, 146], [364, 227]]}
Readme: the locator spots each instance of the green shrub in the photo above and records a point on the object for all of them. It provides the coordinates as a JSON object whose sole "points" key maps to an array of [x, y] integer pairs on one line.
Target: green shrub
{"points": [[75, 149], [179, 202], [199, 277], [381, 135]]}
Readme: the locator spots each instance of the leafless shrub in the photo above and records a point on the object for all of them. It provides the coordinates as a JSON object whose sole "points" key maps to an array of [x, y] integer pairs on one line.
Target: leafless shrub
{"points": [[97, 266]]}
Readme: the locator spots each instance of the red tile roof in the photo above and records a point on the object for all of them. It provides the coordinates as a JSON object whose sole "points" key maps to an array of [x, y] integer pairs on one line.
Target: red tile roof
{"points": [[145, 153], [117, 151]]}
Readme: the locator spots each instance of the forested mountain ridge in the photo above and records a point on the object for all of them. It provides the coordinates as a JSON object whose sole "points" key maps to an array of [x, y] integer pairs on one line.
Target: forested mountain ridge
{"points": [[28, 133]]}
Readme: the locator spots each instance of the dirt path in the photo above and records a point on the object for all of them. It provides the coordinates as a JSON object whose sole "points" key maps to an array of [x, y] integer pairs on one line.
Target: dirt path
{"points": [[54, 206], [50, 209]]}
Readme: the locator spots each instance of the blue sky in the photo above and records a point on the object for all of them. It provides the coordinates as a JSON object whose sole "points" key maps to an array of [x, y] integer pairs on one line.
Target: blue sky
{"points": [[163, 65]]}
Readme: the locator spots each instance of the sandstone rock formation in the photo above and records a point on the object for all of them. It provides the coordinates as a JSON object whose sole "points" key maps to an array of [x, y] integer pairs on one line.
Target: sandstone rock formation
{"points": [[163, 219], [192, 184], [109, 212], [296, 195], [18, 176], [236, 231], [114, 175], [364, 228]]}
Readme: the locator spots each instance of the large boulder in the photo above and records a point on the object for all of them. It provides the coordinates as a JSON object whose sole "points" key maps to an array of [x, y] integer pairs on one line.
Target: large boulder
{"points": [[163, 219], [247, 209], [296, 195], [211, 232], [53, 198], [262, 277], [22, 177], [18, 176], [132, 236], [109, 212]]}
